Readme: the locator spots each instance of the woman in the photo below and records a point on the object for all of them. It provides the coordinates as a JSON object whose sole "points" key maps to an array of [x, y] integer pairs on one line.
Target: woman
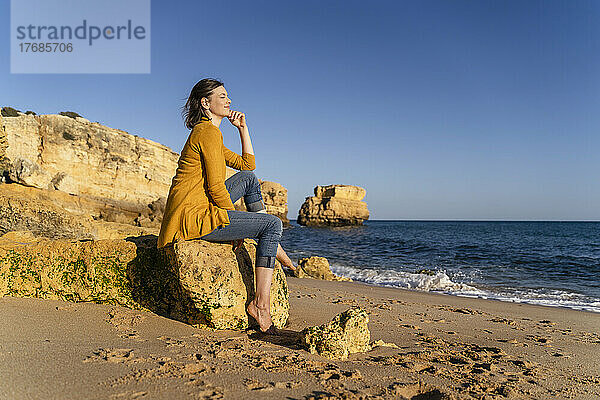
{"points": [[200, 202]]}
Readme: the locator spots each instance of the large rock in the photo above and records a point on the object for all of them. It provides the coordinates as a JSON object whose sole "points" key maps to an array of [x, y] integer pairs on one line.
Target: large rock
{"points": [[334, 205], [55, 214], [196, 282], [317, 268], [221, 284], [346, 333]]}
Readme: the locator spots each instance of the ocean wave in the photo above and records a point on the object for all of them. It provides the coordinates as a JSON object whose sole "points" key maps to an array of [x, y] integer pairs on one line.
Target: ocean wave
{"points": [[554, 298], [439, 281]]}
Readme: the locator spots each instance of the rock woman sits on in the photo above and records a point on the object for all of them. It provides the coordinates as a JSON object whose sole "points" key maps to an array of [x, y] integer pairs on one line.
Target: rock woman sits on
{"points": [[200, 201]]}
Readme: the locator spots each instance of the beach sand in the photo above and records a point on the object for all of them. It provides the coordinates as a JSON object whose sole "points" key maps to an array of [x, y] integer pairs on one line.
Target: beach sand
{"points": [[448, 347]]}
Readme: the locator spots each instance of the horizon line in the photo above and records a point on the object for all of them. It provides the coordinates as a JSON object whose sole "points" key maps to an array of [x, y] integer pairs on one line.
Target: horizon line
{"points": [[478, 220]]}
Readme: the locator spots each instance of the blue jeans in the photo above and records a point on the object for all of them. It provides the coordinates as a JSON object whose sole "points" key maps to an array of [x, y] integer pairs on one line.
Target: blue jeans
{"points": [[266, 228]]}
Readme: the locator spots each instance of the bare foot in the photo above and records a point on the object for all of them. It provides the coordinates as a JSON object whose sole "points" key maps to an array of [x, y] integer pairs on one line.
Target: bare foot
{"points": [[261, 315], [283, 258]]}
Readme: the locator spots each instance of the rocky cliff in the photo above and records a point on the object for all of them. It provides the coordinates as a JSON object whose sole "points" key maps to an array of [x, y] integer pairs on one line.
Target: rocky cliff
{"points": [[80, 157], [334, 205], [3, 147]]}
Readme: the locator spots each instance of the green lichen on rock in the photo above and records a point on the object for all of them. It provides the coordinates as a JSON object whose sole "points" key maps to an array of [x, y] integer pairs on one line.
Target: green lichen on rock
{"points": [[9, 112], [196, 282], [70, 114], [70, 271], [346, 333]]}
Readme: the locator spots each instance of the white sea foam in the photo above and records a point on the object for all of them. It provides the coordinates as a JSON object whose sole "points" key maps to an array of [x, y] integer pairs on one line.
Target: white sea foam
{"points": [[554, 298], [438, 282]]}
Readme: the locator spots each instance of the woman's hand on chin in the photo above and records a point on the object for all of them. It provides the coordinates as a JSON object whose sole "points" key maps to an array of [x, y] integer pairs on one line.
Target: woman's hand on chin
{"points": [[237, 119]]}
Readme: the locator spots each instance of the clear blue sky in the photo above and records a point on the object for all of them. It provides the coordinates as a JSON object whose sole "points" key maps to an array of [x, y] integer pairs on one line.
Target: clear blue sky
{"points": [[439, 109]]}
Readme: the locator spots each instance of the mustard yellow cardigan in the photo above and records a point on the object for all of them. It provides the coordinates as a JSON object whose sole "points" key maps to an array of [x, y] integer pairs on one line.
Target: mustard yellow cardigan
{"points": [[198, 199]]}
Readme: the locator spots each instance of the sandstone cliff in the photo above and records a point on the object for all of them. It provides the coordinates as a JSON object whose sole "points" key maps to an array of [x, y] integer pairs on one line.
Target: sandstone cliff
{"points": [[3, 147], [55, 214], [334, 205], [80, 157]]}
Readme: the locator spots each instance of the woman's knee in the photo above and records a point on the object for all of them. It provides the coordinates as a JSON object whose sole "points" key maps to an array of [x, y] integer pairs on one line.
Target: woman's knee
{"points": [[248, 175], [276, 224]]}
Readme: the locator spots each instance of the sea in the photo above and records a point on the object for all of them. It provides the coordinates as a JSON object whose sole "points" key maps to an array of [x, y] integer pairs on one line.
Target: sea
{"points": [[546, 263]]}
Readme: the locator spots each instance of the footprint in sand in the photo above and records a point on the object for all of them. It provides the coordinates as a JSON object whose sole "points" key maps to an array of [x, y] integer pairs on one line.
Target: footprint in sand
{"points": [[129, 395], [483, 367], [383, 306], [111, 355], [350, 302], [503, 321], [124, 321], [187, 372], [170, 342], [547, 322], [253, 384], [589, 337], [466, 311], [66, 307], [208, 392], [409, 326], [417, 390], [539, 339]]}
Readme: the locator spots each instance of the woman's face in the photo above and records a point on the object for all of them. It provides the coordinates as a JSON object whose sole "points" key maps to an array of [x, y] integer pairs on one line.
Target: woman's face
{"points": [[219, 102]]}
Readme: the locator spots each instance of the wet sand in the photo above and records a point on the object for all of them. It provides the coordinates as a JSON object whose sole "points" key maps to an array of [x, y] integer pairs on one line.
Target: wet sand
{"points": [[447, 347]]}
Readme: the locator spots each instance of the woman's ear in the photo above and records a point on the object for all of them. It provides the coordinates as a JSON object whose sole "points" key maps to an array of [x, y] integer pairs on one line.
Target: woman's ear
{"points": [[204, 102]]}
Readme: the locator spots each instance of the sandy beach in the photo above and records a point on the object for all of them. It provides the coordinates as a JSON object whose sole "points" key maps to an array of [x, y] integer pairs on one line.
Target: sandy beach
{"points": [[447, 347]]}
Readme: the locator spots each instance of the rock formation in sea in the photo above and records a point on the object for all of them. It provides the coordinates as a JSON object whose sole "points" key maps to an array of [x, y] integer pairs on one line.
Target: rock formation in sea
{"points": [[346, 333], [196, 282], [334, 205], [317, 268]]}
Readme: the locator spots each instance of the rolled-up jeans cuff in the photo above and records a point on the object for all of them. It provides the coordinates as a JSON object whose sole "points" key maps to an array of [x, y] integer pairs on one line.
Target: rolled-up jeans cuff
{"points": [[256, 206], [265, 261]]}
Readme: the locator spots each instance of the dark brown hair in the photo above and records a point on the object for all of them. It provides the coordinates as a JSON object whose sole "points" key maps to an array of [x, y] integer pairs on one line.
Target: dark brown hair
{"points": [[192, 111]]}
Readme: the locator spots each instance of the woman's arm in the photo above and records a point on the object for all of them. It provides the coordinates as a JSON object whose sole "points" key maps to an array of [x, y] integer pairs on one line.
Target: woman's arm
{"points": [[245, 162], [245, 139], [238, 119]]}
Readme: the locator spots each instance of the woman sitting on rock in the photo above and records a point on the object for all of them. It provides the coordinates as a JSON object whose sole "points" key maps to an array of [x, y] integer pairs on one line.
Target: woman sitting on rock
{"points": [[200, 202]]}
